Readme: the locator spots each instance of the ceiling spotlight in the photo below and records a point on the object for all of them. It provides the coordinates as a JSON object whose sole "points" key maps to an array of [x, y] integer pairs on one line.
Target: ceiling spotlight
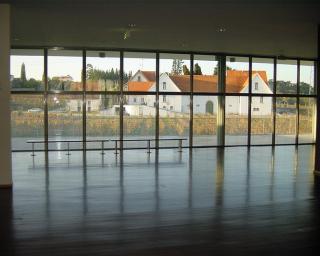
{"points": [[221, 30], [57, 48], [126, 34], [102, 54], [131, 25]]}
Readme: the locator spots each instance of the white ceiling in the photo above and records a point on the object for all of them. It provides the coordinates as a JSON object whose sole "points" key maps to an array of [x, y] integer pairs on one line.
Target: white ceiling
{"points": [[252, 27]]}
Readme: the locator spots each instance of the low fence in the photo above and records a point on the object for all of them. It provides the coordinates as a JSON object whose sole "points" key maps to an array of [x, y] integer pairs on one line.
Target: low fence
{"points": [[26, 124]]}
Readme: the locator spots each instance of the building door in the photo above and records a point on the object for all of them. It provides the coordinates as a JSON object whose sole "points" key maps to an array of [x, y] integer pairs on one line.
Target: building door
{"points": [[209, 107]]}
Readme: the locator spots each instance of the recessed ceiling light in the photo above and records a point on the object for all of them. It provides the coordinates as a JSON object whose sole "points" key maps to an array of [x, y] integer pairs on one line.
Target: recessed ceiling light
{"points": [[131, 25], [221, 30], [57, 48], [126, 34]]}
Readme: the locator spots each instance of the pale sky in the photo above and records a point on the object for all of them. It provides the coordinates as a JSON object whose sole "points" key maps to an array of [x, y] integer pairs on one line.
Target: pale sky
{"points": [[61, 66]]}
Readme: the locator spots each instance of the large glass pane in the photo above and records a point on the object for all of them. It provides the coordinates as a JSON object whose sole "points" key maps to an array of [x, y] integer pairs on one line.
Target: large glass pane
{"points": [[65, 120], [103, 122], [103, 71], [236, 121], [205, 78], [287, 76], [262, 75], [139, 72], [174, 73], [261, 120], [307, 75], [286, 115], [64, 70], [205, 120], [26, 70], [306, 120], [174, 111], [139, 121], [237, 74], [27, 121]]}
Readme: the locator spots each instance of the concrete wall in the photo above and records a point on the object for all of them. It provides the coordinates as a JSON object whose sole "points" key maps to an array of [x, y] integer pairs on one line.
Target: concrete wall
{"points": [[5, 134]]}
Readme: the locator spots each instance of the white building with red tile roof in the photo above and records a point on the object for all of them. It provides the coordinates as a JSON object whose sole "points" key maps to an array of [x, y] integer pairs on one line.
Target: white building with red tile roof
{"points": [[236, 82]]}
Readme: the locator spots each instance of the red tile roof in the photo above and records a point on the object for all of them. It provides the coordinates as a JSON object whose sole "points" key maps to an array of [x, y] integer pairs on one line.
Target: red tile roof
{"points": [[149, 75], [235, 81], [139, 86]]}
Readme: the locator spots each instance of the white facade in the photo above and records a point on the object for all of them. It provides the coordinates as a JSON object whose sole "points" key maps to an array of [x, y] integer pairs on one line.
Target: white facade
{"points": [[92, 105], [236, 105]]}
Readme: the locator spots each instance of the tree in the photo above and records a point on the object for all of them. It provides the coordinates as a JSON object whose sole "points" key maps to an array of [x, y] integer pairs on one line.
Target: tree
{"points": [[215, 71], [23, 76], [197, 69], [176, 67], [186, 71]]}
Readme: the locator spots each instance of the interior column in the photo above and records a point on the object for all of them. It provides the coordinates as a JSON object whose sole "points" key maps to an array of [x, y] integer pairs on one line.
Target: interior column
{"points": [[5, 136]]}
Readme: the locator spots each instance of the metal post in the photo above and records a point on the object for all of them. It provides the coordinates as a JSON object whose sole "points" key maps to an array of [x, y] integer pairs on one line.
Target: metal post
{"points": [[317, 153], [191, 101], [249, 102], [180, 145], [68, 149], [148, 146], [157, 99], [298, 103], [84, 103], [274, 101], [116, 147], [33, 154], [221, 100], [102, 147], [121, 100], [46, 118]]}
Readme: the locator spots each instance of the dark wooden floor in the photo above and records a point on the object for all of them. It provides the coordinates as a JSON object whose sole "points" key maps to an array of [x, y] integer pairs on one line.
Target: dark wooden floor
{"points": [[231, 202]]}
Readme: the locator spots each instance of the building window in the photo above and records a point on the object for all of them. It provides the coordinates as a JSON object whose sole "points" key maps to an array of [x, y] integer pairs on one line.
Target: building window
{"points": [[261, 99], [171, 107], [256, 109], [256, 86], [142, 100], [164, 98], [164, 85], [139, 79], [164, 107], [134, 99]]}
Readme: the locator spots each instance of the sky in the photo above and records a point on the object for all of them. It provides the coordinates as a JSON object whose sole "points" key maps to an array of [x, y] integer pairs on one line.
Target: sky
{"points": [[61, 66]]}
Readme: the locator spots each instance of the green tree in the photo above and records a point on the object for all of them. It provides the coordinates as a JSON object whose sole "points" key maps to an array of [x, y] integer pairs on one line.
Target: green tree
{"points": [[215, 71], [176, 67], [197, 69], [186, 71], [23, 76]]}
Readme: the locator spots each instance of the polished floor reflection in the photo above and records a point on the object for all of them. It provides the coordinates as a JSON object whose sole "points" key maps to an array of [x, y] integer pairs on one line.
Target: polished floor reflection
{"points": [[207, 201]]}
